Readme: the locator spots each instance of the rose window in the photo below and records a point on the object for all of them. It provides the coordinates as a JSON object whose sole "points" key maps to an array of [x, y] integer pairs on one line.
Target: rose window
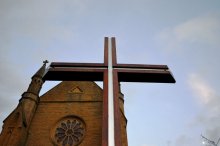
{"points": [[69, 132]]}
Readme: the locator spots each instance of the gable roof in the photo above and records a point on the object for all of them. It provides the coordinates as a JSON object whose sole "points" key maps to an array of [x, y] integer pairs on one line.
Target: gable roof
{"points": [[73, 91]]}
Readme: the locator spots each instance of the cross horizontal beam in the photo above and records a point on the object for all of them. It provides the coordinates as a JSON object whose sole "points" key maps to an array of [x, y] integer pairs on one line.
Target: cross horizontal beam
{"points": [[144, 66], [94, 72]]}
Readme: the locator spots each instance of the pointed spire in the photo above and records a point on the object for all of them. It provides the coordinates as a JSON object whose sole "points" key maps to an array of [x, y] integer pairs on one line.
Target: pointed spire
{"points": [[41, 71]]}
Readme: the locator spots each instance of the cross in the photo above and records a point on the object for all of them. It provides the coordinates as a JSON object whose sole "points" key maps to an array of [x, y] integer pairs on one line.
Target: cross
{"points": [[111, 73], [45, 62]]}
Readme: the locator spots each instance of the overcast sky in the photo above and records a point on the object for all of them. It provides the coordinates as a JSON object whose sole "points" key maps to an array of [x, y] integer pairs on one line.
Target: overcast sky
{"points": [[185, 35]]}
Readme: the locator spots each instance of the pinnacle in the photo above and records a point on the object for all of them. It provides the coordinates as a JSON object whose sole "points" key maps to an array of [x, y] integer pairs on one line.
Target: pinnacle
{"points": [[41, 71]]}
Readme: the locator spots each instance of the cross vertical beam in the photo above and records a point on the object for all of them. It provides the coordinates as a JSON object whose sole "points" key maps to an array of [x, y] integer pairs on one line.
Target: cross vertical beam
{"points": [[111, 129], [114, 134]]}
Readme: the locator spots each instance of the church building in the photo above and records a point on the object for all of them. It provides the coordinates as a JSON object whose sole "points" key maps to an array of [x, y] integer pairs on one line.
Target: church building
{"points": [[69, 114]]}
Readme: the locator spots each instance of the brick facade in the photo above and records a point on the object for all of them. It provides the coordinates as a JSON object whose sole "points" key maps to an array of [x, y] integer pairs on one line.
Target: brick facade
{"points": [[69, 100]]}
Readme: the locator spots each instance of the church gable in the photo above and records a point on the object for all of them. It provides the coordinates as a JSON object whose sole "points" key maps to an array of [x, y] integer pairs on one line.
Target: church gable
{"points": [[68, 114], [74, 91]]}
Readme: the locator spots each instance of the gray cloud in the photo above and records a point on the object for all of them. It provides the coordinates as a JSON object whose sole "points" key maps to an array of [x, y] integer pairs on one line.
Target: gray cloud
{"points": [[195, 43], [209, 99], [201, 30]]}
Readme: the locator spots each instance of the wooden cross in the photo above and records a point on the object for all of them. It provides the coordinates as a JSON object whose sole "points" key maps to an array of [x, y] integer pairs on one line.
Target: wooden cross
{"points": [[111, 73]]}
